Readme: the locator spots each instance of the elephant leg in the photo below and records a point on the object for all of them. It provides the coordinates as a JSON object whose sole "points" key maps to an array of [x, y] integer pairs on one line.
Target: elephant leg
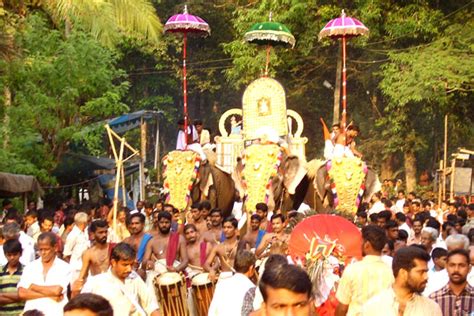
{"points": [[224, 190]]}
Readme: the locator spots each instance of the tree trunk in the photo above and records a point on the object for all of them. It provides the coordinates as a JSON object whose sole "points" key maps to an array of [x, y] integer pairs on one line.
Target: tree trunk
{"points": [[387, 167], [7, 96], [337, 88], [410, 170]]}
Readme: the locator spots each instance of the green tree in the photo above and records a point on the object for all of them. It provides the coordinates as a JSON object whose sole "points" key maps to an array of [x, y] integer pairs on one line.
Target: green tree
{"points": [[60, 85], [108, 20]]}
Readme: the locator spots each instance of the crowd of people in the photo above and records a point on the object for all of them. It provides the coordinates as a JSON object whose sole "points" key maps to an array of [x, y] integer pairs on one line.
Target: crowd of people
{"points": [[74, 259]]}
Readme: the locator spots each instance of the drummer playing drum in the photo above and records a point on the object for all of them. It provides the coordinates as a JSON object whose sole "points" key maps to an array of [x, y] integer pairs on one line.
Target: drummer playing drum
{"points": [[166, 247], [225, 251], [197, 251]]}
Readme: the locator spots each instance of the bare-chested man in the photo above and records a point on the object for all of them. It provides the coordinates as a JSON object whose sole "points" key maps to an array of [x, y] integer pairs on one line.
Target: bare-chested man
{"points": [[214, 235], [262, 210], [165, 248], [197, 219], [345, 143], [252, 239], [205, 208], [95, 260], [197, 251], [275, 242], [225, 251], [138, 238]]}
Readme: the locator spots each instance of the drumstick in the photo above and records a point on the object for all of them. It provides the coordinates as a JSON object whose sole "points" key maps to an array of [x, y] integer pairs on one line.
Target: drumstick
{"points": [[195, 267]]}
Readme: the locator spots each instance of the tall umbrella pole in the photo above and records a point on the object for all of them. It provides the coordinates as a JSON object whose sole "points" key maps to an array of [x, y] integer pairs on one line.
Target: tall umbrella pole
{"points": [[344, 81], [267, 60], [185, 92]]}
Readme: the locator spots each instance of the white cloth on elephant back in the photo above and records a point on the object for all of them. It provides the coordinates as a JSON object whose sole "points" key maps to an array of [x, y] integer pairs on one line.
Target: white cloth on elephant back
{"points": [[342, 151]]}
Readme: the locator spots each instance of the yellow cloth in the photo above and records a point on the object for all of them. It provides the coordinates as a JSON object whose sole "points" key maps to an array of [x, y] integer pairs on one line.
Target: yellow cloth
{"points": [[362, 280], [386, 301]]}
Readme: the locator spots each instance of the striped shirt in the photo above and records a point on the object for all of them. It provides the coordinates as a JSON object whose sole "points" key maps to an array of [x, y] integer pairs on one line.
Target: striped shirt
{"points": [[452, 305], [8, 283]]}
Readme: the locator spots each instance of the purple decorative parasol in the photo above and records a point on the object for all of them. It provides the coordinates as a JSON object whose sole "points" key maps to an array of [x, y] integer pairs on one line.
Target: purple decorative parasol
{"points": [[186, 23], [343, 27]]}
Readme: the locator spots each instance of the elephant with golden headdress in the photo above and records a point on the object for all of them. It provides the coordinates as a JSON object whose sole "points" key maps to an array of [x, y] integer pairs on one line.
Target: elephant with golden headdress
{"points": [[187, 180], [268, 174], [341, 184]]}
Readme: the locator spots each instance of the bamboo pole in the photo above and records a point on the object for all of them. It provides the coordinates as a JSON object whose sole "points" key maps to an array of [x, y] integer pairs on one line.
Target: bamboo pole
{"points": [[445, 159], [440, 181], [119, 164], [157, 164], [451, 184], [124, 194]]}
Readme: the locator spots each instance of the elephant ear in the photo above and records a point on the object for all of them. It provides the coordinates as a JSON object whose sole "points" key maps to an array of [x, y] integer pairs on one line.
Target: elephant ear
{"points": [[294, 171], [237, 178], [372, 184], [319, 181], [204, 172]]}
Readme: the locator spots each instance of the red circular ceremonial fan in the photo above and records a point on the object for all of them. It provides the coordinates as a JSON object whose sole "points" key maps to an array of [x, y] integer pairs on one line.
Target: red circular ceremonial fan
{"points": [[325, 234]]}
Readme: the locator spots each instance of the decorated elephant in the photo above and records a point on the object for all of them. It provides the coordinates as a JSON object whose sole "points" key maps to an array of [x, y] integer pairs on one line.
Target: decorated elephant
{"points": [[268, 174], [344, 182], [187, 180]]}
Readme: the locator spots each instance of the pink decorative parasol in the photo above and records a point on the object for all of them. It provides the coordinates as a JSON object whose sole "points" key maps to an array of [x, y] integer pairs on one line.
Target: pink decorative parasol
{"points": [[343, 27], [186, 23]]}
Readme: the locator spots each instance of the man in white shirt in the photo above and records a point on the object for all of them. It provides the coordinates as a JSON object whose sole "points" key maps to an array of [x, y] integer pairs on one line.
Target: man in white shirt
{"points": [[123, 288], [192, 141], [229, 294], [400, 200], [377, 204], [76, 243], [44, 281], [11, 230]]}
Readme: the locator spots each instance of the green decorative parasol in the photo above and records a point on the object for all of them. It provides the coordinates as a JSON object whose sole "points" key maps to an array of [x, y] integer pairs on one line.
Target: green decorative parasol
{"points": [[270, 33]]}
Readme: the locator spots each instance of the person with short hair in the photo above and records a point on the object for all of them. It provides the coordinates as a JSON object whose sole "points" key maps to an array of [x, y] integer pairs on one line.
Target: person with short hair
{"points": [[364, 279], [229, 294], [44, 282], [456, 297], [138, 239], [392, 229], [88, 304], [122, 287], [196, 249], [415, 235], [46, 223], [225, 251], [10, 274], [286, 290], [276, 241], [261, 209], [215, 234], [439, 256], [76, 243], [410, 268], [31, 223], [197, 218], [253, 238], [165, 248], [95, 260], [457, 241], [12, 231]]}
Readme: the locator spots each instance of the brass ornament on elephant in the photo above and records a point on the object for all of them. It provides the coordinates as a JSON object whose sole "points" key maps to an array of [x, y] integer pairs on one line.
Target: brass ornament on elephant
{"points": [[347, 177], [181, 171], [261, 163]]}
